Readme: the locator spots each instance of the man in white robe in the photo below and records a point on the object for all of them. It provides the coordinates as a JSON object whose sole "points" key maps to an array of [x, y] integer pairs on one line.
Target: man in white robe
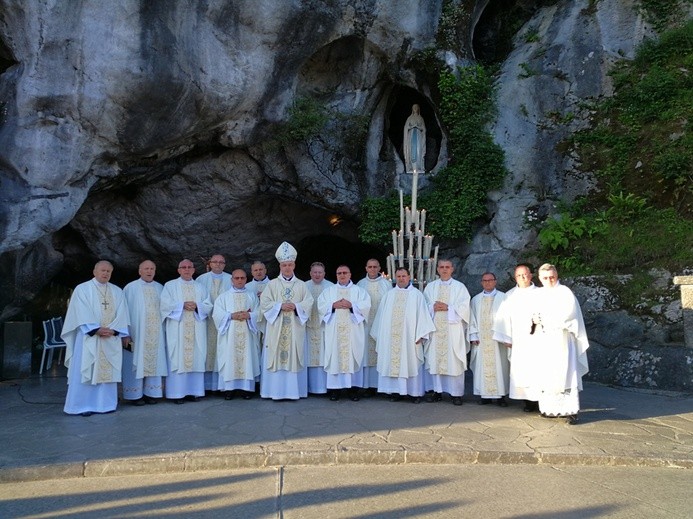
{"points": [[344, 308], [446, 349], [315, 332], [489, 360], [236, 314], [400, 327], [144, 358], [512, 329], [216, 282], [376, 286], [562, 343], [96, 320], [286, 305], [260, 280], [185, 306]]}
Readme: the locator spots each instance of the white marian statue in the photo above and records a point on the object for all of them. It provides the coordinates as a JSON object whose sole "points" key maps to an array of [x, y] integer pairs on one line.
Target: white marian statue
{"points": [[415, 141]]}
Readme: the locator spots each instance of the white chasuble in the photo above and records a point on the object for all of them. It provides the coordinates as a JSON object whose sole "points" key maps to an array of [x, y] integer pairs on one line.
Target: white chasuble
{"points": [[285, 330], [186, 331], [344, 328], [401, 321], [146, 328], [489, 359], [446, 349], [238, 351], [315, 328], [376, 289], [95, 305]]}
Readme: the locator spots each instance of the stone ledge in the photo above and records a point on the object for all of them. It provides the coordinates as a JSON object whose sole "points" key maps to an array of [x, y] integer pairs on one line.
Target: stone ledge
{"points": [[337, 456]]}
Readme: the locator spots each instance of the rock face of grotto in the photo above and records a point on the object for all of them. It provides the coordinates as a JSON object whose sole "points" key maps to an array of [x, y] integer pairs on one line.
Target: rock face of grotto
{"points": [[140, 129]]}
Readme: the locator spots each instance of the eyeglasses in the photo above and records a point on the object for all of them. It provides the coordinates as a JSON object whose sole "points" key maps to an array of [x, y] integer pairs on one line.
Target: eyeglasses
{"points": [[343, 273], [221, 262], [487, 280], [187, 267]]}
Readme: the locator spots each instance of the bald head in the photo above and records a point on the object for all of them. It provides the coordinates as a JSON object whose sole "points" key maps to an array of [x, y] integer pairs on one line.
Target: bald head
{"points": [[102, 271], [147, 271]]}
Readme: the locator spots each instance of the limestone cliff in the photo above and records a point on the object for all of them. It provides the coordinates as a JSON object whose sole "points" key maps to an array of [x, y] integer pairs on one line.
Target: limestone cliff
{"points": [[149, 128]]}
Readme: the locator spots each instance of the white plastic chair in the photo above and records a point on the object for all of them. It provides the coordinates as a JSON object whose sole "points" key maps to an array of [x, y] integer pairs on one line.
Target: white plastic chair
{"points": [[52, 329]]}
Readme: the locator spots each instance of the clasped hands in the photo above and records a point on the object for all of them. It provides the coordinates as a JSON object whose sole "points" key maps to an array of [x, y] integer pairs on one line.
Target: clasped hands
{"points": [[242, 315], [105, 332], [288, 307], [439, 306], [190, 306], [342, 304]]}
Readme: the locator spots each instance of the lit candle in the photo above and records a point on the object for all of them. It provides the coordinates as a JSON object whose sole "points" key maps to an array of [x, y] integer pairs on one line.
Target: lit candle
{"points": [[401, 210], [394, 242], [427, 247], [407, 213], [411, 265], [423, 221], [401, 249], [414, 189], [420, 274], [435, 256], [419, 238], [411, 244]]}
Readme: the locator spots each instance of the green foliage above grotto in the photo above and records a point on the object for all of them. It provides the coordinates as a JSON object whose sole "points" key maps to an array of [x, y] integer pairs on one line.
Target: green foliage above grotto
{"points": [[640, 149]]}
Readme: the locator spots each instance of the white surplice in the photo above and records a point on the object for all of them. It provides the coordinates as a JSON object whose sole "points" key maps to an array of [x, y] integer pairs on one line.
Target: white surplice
{"points": [[238, 348], [376, 289], [144, 367], [216, 284], [315, 341], [489, 359], [283, 364], [402, 321], [445, 351], [186, 337], [94, 363], [344, 335]]}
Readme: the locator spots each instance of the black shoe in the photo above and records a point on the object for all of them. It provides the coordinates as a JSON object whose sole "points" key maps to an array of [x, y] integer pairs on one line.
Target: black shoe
{"points": [[416, 400], [531, 406], [86, 413], [137, 403], [395, 397], [457, 400], [334, 396], [428, 397], [502, 402], [179, 401], [247, 395], [228, 395], [150, 400], [354, 395], [571, 420], [484, 401], [193, 398]]}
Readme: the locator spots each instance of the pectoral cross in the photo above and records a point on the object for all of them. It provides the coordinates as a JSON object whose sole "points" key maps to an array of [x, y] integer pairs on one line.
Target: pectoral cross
{"points": [[104, 303]]}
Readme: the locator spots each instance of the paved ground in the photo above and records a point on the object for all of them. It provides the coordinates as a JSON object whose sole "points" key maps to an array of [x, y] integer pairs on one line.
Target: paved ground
{"points": [[617, 427]]}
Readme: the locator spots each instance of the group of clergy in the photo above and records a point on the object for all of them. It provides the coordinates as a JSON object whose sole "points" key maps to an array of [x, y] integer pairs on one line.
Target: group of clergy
{"points": [[292, 337]]}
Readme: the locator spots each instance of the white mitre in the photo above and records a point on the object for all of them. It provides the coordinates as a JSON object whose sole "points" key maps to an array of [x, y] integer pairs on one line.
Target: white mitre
{"points": [[286, 252]]}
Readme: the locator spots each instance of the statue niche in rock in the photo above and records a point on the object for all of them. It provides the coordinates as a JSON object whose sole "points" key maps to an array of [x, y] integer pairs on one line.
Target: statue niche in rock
{"points": [[415, 141]]}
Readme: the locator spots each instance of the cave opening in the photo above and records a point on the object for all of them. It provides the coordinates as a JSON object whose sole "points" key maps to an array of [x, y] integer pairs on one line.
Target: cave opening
{"points": [[333, 251], [402, 100], [492, 39], [6, 58]]}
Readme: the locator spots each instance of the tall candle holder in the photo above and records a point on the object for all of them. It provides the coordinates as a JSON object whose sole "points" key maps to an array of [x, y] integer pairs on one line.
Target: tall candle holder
{"points": [[412, 248]]}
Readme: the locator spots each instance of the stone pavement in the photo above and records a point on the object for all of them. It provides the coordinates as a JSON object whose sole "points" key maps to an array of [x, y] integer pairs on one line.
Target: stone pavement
{"points": [[617, 427]]}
